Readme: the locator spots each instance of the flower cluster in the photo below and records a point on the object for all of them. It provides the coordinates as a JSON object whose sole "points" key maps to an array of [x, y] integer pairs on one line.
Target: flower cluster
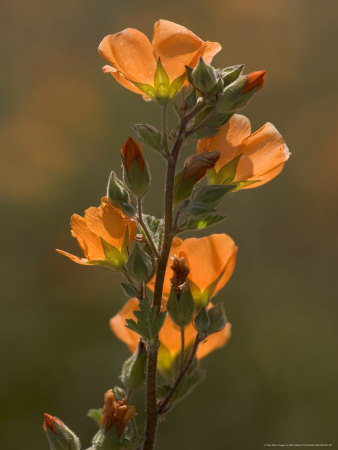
{"points": [[170, 320]]}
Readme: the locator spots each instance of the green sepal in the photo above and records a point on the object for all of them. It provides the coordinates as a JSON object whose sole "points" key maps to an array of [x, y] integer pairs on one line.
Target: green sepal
{"points": [[237, 185], [212, 125], [226, 174], [139, 265], [182, 188], [115, 258], [96, 415], [217, 318], [230, 98], [176, 85], [212, 194], [201, 223], [202, 323], [148, 322], [138, 181], [161, 77], [230, 74], [106, 440], [204, 77], [189, 71], [149, 135], [202, 298], [116, 192], [147, 89], [128, 290], [155, 227], [181, 309], [133, 373]]}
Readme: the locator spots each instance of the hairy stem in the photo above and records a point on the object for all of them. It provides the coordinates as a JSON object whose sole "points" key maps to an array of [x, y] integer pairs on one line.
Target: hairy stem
{"points": [[163, 407]]}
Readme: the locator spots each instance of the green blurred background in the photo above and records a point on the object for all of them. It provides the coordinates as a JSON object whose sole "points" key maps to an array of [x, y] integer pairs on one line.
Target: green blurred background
{"points": [[62, 124]]}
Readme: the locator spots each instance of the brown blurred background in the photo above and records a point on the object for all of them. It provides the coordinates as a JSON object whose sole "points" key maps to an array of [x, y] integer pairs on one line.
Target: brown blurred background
{"points": [[62, 123]]}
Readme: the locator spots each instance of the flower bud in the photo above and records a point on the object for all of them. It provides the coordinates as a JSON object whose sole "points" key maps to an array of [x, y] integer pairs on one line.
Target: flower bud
{"points": [[139, 265], [118, 196], [204, 77], [134, 369], [135, 168], [202, 323], [238, 94], [181, 306], [59, 436], [195, 168], [217, 318]]}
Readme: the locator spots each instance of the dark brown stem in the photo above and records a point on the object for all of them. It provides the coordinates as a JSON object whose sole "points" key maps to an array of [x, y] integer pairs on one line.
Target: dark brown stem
{"points": [[163, 407], [151, 410]]}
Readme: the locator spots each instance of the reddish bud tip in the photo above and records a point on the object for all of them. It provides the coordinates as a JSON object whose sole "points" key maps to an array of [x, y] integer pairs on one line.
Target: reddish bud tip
{"points": [[131, 151], [255, 80], [50, 422]]}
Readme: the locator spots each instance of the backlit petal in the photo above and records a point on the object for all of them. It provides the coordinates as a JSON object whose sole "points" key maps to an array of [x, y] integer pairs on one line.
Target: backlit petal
{"points": [[176, 46], [210, 50], [131, 53], [74, 258], [118, 322], [214, 341], [119, 77], [227, 140], [87, 239]]}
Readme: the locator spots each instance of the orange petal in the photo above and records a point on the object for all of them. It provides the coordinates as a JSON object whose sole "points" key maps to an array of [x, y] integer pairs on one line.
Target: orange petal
{"points": [[170, 335], [210, 50], [108, 223], [176, 46], [227, 140], [131, 53], [214, 341], [74, 258], [118, 322], [264, 153], [87, 239], [207, 258], [120, 78]]}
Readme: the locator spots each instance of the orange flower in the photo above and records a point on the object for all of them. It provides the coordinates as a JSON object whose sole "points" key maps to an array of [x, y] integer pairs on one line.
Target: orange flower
{"points": [[260, 156], [170, 336], [103, 234], [134, 58], [211, 261], [116, 412]]}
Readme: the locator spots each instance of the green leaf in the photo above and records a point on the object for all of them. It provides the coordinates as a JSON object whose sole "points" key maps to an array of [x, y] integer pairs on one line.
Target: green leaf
{"points": [[149, 135], [155, 227], [212, 194], [148, 322], [96, 415], [128, 290], [198, 209], [182, 188], [200, 224]]}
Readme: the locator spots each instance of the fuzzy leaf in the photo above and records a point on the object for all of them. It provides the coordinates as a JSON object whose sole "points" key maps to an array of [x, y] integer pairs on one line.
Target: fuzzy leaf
{"points": [[149, 135], [148, 322]]}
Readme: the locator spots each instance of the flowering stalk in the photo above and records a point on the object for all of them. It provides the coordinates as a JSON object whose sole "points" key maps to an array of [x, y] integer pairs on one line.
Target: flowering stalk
{"points": [[170, 331]]}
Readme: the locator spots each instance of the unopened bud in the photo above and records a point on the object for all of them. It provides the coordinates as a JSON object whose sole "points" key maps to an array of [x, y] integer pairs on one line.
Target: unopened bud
{"points": [[204, 77], [217, 318], [136, 172], [181, 306], [255, 81], [118, 196], [202, 323], [195, 168], [139, 265], [134, 369], [59, 436]]}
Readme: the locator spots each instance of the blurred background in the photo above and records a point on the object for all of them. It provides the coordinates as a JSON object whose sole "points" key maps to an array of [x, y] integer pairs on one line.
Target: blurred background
{"points": [[62, 123]]}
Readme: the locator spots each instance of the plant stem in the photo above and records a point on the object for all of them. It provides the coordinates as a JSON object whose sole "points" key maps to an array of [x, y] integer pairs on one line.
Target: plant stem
{"points": [[164, 131], [145, 228], [164, 404], [151, 409]]}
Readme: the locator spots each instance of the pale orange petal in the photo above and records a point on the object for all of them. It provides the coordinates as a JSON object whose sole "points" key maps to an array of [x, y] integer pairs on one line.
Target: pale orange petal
{"points": [[107, 222], [210, 50], [131, 53], [227, 140], [176, 46], [170, 335], [87, 239], [228, 271], [207, 258], [118, 322], [263, 151], [120, 78], [214, 341], [74, 258]]}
